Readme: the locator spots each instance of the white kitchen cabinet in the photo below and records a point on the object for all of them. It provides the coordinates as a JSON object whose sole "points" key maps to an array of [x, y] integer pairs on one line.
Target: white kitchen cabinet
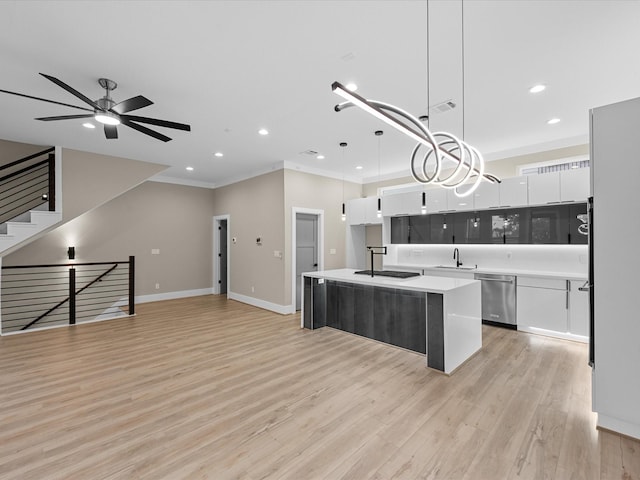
{"points": [[542, 304], [544, 188], [371, 211], [574, 185], [458, 203], [363, 211], [356, 211], [407, 203], [487, 195], [578, 309], [514, 192], [436, 200]]}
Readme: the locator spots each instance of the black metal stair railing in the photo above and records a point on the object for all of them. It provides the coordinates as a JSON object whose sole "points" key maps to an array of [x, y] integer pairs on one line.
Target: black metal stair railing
{"points": [[27, 183], [35, 296]]}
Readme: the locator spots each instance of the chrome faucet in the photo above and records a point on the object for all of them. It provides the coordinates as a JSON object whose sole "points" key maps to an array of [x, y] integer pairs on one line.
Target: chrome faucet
{"points": [[456, 257]]}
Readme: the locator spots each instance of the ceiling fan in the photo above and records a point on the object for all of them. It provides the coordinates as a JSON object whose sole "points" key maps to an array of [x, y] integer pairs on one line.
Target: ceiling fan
{"points": [[106, 111]]}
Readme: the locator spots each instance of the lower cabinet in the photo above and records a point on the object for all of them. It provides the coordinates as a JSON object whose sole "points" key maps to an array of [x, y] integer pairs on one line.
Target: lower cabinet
{"points": [[554, 305], [389, 315], [578, 309], [542, 307]]}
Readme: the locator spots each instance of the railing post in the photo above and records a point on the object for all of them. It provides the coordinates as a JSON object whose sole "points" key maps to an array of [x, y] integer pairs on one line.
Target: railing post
{"points": [[52, 182], [132, 283], [72, 296]]}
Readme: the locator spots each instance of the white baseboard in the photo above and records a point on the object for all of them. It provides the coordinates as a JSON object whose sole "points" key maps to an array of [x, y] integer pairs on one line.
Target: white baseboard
{"points": [[256, 302], [619, 426], [157, 297], [550, 333]]}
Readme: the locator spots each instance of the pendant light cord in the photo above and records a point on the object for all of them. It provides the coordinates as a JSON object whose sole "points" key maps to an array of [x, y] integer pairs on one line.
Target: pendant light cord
{"points": [[428, 69], [462, 49]]}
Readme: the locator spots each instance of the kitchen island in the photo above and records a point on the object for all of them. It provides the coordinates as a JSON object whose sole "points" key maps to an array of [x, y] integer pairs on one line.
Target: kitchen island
{"points": [[437, 316]]}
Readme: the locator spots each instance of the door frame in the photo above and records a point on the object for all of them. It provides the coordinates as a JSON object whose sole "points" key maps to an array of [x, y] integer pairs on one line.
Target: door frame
{"points": [[320, 241], [216, 251]]}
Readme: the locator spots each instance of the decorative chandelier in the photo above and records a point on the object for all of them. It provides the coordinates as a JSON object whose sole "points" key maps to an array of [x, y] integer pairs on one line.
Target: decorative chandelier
{"points": [[437, 146], [426, 167]]}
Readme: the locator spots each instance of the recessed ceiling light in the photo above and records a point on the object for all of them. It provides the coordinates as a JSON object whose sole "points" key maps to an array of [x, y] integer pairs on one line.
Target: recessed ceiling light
{"points": [[88, 125], [537, 88], [359, 167], [219, 154], [320, 157], [263, 131], [190, 169], [553, 121], [352, 87]]}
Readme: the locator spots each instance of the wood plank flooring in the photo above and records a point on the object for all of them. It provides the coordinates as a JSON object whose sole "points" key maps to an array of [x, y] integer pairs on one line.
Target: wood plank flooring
{"points": [[211, 388]]}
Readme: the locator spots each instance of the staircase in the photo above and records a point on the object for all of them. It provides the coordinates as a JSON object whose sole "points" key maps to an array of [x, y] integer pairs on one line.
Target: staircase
{"points": [[28, 204], [23, 227]]}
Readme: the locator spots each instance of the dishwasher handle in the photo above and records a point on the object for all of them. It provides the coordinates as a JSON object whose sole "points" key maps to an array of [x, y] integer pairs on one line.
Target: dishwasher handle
{"points": [[489, 279]]}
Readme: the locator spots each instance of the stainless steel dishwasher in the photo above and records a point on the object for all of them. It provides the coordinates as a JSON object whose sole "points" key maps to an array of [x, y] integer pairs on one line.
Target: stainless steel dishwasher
{"points": [[498, 299]]}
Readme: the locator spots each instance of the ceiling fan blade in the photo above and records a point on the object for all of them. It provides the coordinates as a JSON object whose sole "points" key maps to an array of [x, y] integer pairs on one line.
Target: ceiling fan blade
{"points": [[110, 131], [147, 131], [72, 91], [160, 123], [65, 117], [45, 100], [133, 103]]}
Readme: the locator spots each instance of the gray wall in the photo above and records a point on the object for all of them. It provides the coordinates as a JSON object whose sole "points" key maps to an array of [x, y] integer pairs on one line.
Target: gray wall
{"points": [[175, 219]]}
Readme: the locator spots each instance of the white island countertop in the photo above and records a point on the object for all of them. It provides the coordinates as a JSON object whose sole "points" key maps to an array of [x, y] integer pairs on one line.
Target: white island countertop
{"points": [[421, 283]]}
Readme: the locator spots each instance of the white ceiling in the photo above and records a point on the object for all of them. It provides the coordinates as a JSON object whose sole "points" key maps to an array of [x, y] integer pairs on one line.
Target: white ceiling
{"points": [[228, 68]]}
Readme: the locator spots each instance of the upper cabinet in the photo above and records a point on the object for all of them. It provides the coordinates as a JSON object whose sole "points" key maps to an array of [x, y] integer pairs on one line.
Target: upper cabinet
{"points": [[437, 200], [513, 192], [564, 186], [363, 211], [544, 188], [398, 204], [487, 195], [575, 185], [458, 203], [356, 211], [371, 211]]}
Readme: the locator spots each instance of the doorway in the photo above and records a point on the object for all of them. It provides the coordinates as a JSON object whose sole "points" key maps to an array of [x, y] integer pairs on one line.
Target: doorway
{"points": [[221, 254], [307, 245]]}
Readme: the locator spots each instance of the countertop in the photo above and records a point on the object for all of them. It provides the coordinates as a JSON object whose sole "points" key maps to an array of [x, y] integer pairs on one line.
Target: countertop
{"points": [[497, 271], [422, 283]]}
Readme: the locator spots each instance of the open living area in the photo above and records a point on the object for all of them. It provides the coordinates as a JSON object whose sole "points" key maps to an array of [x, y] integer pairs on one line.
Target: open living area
{"points": [[318, 240]]}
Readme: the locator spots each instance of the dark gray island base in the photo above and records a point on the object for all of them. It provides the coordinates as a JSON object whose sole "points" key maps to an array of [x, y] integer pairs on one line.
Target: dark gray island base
{"points": [[410, 318]]}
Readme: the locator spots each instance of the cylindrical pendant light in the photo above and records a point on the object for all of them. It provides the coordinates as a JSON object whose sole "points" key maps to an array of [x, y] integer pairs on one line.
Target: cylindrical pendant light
{"points": [[344, 211]]}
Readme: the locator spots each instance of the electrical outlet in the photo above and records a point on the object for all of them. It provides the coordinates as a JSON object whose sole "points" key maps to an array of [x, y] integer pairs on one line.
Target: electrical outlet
{"points": [[253, 289], [155, 251], [157, 286], [332, 251]]}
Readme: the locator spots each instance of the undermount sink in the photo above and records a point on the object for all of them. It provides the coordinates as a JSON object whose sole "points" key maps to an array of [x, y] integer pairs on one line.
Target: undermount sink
{"points": [[453, 267]]}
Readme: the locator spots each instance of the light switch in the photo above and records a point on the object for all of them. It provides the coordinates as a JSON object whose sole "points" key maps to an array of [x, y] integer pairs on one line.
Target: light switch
{"points": [[155, 251], [332, 251]]}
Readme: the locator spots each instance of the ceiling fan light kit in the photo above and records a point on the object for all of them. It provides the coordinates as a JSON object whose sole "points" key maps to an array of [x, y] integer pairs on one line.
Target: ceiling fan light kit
{"points": [[109, 113]]}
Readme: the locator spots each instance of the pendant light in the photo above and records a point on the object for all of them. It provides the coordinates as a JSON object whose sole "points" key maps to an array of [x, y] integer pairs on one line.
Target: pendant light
{"points": [[438, 146], [344, 211], [378, 134]]}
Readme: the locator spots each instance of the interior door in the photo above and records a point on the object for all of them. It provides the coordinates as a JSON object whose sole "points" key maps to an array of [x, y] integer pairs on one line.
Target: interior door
{"points": [[306, 248], [222, 256]]}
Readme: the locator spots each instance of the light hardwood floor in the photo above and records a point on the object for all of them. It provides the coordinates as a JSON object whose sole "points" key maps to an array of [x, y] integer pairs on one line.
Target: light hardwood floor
{"points": [[210, 388]]}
